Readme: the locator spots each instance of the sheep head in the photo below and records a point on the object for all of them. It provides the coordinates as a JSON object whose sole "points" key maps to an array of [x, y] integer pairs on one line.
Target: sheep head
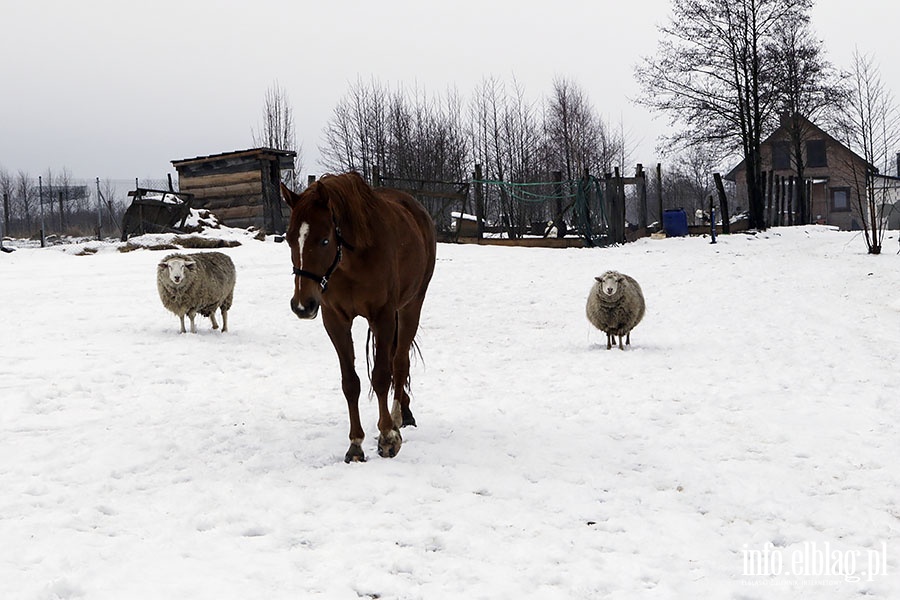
{"points": [[610, 282], [177, 268]]}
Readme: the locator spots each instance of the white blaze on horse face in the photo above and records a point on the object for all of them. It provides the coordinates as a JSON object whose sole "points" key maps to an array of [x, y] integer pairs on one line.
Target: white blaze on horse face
{"points": [[304, 233]]}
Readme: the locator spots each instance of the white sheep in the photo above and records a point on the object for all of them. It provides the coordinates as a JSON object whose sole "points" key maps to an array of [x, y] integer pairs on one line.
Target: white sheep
{"points": [[197, 283], [615, 306]]}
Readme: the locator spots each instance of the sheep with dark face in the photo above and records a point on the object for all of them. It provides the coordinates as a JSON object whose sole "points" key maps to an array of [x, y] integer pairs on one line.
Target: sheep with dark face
{"points": [[615, 306], [197, 283]]}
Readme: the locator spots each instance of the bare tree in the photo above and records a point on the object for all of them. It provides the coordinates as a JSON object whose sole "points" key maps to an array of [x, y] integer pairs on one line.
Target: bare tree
{"points": [[339, 151], [713, 76], [277, 129], [871, 128], [488, 128], [808, 87], [690, 182], [25, 198], [112, 205], [356, 137], [574, 134]]}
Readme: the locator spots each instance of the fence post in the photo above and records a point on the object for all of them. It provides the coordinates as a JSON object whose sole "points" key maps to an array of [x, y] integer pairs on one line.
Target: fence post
{"points": [[659, 195], [6, 212], [642, 194], [790, 201], [723, 203], [479, 202], [620, 207], [610, 197], [99, 210], [5, 205], [41, 198]]}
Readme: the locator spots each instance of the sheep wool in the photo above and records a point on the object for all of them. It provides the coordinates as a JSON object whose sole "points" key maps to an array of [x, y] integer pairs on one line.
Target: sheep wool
{"points": [[615, 306], [202, 283]]}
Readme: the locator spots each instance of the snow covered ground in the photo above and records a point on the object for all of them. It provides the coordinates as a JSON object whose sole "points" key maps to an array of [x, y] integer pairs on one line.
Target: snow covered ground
{"points": [[745, 446]]}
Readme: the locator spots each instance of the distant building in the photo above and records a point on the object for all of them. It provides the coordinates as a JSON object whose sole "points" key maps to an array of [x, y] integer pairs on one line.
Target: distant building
{"points": [[241, 188], [834, 174]]}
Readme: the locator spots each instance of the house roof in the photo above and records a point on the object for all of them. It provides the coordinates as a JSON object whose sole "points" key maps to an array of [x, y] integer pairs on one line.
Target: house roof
{"points": [[781, 132]]}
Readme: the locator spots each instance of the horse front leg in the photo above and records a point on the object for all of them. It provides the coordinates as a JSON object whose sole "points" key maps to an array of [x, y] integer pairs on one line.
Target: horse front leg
{"points": [[339, 330], [383, 331]]}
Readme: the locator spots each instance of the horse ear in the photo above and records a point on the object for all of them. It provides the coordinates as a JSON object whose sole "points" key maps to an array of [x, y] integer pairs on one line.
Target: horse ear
{"points": [[289, 197]]}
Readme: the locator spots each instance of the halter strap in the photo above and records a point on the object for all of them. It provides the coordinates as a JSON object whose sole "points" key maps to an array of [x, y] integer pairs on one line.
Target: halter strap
{"points": [[323, 280]]}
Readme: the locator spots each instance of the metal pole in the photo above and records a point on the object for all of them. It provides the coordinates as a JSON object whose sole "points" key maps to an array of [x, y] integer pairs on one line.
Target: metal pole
{"points": [[41, 198], [99, 211]]}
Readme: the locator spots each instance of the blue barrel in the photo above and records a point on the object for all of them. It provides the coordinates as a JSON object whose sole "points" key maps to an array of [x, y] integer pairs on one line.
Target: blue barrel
{"points": [[675, 222]]}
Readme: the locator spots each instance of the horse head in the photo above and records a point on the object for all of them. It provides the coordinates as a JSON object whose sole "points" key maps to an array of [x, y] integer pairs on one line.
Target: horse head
{"points": [[316, 247]]}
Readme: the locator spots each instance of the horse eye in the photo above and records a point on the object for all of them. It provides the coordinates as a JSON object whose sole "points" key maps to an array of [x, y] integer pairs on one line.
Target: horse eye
{"points": [[325, 242]]}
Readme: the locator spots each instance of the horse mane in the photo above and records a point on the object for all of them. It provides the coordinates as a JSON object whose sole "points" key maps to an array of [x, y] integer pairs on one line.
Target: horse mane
{"points": [[353, 204]]}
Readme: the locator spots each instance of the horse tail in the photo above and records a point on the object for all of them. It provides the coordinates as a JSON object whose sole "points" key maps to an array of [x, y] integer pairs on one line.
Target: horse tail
{"points": [[414, 351], [370, 360]]}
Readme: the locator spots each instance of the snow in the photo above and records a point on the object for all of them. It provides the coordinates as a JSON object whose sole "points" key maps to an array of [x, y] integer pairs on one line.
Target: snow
{"points": [[753, 418]]}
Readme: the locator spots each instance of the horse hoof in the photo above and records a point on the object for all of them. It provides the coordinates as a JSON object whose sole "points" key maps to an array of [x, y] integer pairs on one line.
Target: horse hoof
{"points": [[408, 419], [389, 444], [355, 454]]}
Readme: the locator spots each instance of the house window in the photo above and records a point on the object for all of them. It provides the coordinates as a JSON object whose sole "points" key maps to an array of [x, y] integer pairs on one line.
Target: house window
{"points": [[781, 155], [840, 199], [815, 154]]}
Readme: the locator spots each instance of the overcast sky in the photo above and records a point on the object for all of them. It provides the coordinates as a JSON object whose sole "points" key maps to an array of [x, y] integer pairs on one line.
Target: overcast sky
{"points": [[117, 89]]}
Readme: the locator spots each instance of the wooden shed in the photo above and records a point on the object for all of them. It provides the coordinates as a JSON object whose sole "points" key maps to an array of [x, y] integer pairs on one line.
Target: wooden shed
{"points": [[241, 188]]}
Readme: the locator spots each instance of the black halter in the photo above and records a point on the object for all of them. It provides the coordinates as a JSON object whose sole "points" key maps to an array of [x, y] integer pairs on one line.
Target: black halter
{"points": [[323, 280]]}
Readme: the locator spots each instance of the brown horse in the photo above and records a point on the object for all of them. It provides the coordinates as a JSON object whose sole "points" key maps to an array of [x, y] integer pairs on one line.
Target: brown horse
{"points": [[365, 252]]}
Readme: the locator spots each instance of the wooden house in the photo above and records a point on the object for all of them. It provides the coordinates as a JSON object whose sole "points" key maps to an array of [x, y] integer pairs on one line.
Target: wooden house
{"points": [[834, 176], [241, 188]]}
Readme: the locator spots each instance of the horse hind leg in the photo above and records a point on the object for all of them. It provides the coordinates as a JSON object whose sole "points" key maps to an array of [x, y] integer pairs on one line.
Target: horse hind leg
{"points": [[384, 332], [407, 327]]}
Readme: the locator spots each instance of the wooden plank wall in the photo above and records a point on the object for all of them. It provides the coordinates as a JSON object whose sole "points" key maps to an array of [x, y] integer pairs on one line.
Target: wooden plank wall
{"points": [[235, 198]]}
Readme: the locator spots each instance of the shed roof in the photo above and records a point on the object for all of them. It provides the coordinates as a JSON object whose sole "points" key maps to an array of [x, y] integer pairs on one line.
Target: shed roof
{"points": [[259, 153]]}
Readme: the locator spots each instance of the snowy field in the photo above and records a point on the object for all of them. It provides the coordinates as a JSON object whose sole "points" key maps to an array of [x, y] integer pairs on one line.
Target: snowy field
{"points": [[746, 445]]}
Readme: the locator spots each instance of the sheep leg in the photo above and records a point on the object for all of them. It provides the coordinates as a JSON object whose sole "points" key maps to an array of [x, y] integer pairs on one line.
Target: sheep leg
{"points": [[191, 314], [609, 340], [628, 339], [224, 320], [181, 318], [621, 347]]}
